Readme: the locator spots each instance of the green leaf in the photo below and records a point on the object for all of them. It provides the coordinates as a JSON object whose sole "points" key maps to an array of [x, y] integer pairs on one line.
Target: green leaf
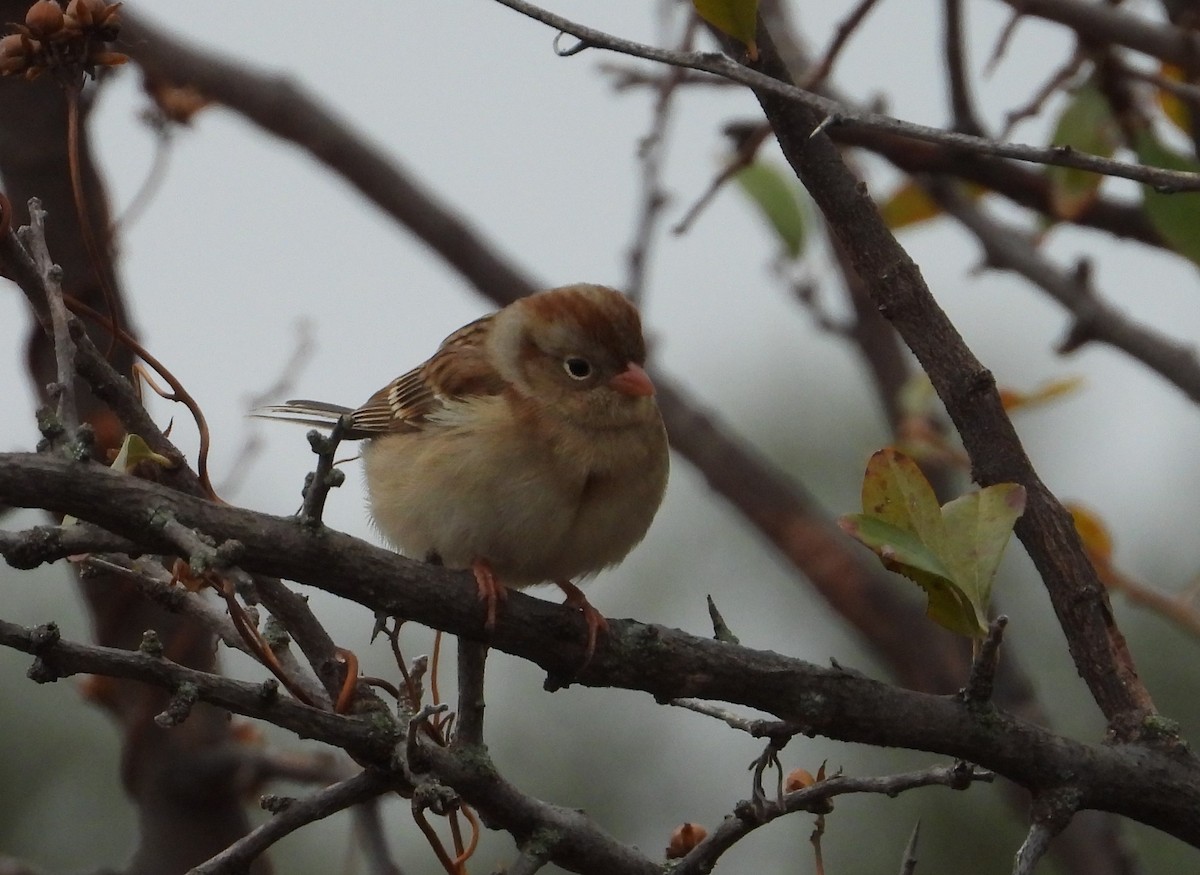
{"points": [[737, 18], [952, 552], [976, 529], [895, 490], [1175, 216], [134, 449], [903, 552], [780, 200], [1086, 124]]}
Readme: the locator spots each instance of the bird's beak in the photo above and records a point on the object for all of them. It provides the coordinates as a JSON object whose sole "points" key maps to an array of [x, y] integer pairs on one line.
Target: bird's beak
{"points": [[632, 381]]}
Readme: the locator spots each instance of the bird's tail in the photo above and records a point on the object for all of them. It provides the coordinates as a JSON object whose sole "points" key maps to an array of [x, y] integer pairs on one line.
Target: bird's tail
{"points": [[304, 412]]}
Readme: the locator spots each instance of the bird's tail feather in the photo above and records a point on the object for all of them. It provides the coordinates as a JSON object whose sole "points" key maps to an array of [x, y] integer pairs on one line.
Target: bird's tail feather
{"points": [[304, 412]]}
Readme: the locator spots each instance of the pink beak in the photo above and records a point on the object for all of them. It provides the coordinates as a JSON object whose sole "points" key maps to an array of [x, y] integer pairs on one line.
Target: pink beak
{"points": [[632, 381]]}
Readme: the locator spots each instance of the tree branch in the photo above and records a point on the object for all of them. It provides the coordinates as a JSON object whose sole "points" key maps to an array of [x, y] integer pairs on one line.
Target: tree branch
{"points": [[1095, 319], [835, 113], [1157, 785], [746, 817], [237, 858]]}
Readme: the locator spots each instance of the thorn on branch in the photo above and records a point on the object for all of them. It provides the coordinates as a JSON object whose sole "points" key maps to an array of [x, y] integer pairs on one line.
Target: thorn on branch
{"points": [[721, 631], [908, 864], [326, 477], [978, 691], [829, 121]]}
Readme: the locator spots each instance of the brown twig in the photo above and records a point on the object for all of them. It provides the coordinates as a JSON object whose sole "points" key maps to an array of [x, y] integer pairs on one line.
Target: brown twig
{"points": [[834, 113], [954, 49], [237, 858], [747, 818], [1095, 319]]}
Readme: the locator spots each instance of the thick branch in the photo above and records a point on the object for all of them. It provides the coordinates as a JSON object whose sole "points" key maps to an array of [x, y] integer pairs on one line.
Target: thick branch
{"points": [[969, 393], [1159, 786]]}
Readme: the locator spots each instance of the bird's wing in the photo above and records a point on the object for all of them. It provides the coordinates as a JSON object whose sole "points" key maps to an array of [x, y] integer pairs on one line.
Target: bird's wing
{"points": [[459, 369]]}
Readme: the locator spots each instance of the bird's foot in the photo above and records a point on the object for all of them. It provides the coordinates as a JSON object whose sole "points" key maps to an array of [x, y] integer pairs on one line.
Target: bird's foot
{"points": [[491, 590], [596, 623]]}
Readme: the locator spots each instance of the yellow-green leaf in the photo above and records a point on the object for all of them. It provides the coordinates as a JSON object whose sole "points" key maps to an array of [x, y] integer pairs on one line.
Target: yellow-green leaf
{"points": [[780, 200], [895, 490], [1014, 399], [1175, 216], [908, 205], [977, 528], [952, 552], [1173, 108], [903, 552], [737, 18], [1086, 124], [133, 450]]}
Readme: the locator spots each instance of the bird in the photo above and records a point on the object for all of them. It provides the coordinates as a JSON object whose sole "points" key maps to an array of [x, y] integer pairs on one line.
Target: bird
{"points": [[529, 448]]}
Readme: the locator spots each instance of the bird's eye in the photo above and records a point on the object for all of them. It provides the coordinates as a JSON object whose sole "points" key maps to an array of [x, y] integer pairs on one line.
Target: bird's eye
{"points": [[577, 368]]}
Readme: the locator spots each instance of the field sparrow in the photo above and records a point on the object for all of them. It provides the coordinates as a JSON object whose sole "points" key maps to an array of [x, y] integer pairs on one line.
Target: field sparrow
{"points": [[529, 448]]}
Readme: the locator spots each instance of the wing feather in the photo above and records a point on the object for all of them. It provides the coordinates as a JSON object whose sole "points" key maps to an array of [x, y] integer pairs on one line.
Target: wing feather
{"points": [[459, 368]]}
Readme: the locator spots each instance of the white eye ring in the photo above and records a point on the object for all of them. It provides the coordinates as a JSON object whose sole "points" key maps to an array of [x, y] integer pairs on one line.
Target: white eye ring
{"points": [[577, 368]]}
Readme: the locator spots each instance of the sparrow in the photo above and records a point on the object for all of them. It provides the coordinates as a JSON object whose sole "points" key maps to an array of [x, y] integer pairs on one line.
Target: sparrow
{"points": [[529, 448]]}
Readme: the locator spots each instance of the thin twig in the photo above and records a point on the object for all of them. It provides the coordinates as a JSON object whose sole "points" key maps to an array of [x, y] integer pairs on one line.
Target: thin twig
{"points": [[978, 690], [1057, 81], [756, 727], [373, 839], [747, 817], [837, 114], [743, 157], [651, 152], [954, 46], [1008, 248], [281, 387], [326, 477], [236, 859], [33, 236], [178, 392]]}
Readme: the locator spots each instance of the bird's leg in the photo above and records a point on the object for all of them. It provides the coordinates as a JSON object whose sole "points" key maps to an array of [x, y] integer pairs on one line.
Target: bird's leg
{"points": [[491, 590], [594, 619]]}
